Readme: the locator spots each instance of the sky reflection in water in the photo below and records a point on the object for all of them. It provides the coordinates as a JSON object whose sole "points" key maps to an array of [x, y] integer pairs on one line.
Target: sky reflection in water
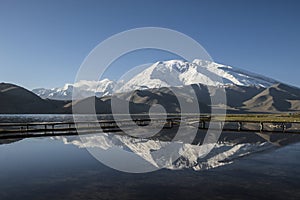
{"points": [[48, 168]]}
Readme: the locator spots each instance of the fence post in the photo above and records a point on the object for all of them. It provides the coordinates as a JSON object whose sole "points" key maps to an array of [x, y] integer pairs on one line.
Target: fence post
{"points": [[261, 128]]}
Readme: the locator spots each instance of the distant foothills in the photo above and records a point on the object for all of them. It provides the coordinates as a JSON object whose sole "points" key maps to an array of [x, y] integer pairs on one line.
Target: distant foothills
{"points": [[240, 99]]}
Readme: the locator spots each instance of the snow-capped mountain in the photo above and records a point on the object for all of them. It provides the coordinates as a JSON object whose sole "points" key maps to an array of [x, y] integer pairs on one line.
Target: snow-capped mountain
{"points": [[163, 74], [157, 154], [179, 73], [83, 87]]}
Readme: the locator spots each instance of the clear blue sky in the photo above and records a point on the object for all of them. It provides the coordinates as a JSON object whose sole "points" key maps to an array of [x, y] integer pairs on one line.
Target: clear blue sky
{"points": [[43, 43]]}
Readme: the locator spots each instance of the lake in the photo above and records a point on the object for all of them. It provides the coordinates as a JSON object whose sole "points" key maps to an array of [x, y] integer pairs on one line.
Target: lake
{"points": [[70, 168]]}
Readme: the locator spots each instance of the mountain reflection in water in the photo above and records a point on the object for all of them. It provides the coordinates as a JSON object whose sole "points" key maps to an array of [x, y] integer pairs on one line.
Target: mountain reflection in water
{"points": [[160, 154], [49, 169], [240, 166]]}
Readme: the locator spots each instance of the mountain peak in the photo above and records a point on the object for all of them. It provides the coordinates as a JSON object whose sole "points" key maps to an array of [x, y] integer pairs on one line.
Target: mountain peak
{"points": [[171, 73], [180, 73]]}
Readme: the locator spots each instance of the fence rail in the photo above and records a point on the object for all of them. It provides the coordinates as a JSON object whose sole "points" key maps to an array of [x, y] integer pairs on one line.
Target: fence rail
{"points": [[43, 129]]}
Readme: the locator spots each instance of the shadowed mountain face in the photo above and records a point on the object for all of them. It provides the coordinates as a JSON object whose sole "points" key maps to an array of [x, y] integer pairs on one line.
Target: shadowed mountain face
{"points": [[240, 99], [279, 97], [15, 99]]}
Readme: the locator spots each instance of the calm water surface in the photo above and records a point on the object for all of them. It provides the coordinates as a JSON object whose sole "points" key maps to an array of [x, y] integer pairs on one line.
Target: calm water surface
{"points": [[57, 168]]}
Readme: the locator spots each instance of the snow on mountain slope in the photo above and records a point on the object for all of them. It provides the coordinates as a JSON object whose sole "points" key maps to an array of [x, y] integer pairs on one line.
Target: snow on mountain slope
{"points": [[85, 88], [178, 73], [164, 74], [159, 154]]}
